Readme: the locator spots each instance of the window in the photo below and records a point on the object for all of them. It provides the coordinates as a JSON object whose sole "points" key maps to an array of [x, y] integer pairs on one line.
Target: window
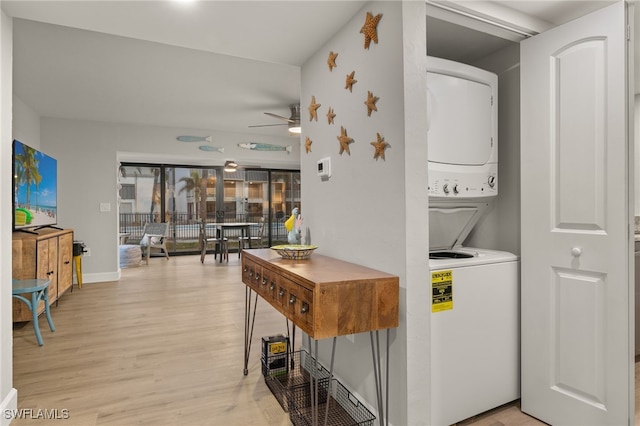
{"points": [[183, 196]]}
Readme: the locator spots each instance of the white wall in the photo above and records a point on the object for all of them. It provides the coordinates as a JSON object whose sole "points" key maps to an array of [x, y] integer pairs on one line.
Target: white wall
{"points": [[374, 213], [499, 229], [8, 395], [89, 154], [636, 133], [26, 123]]}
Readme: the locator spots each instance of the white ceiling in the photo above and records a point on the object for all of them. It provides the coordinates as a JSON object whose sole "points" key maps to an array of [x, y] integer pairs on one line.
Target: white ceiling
{"points": [[209, 65]]}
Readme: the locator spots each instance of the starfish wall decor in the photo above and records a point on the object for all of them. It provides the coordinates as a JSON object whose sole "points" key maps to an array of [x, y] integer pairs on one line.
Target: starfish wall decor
{"points": [[345, 140], [330, 115], [380, 145], [371, 103], [332, 60], [313, 109], [350, 81], [307, 144], [369, 29]]}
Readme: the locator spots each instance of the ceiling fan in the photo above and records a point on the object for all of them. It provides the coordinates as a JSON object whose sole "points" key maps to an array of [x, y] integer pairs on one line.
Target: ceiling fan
{"points": [[293, 122]]}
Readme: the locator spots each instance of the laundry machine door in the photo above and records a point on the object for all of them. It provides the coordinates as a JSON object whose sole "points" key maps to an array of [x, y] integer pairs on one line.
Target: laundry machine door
{"points": [[460, 120]]}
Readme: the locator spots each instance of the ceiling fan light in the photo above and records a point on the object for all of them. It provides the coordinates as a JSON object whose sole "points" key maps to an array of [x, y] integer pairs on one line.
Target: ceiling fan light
{"points": [[295, 129]]}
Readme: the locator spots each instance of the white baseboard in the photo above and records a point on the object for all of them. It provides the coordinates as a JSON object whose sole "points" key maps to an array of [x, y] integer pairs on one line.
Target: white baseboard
{"points": [[8, 406], [100, 277]]}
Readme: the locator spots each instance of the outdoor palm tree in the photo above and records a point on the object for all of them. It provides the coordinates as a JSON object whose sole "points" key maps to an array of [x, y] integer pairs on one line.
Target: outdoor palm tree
{"points": [[197, 184], [155, 196]]}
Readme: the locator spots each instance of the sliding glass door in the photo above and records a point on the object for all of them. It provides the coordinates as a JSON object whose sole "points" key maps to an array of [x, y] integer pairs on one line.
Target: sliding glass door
{"points": [[285, 196], [184, 196]]}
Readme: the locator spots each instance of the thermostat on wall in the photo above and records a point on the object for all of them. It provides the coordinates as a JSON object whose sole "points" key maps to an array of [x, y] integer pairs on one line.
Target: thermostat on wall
{"points": [[324, 168]]}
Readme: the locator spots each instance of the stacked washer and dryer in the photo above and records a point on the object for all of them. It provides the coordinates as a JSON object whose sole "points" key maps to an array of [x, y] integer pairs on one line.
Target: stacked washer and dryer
{"points": [[475, 345]]}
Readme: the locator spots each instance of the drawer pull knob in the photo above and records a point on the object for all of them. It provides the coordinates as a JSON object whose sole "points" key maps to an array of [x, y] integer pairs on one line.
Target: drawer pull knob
{"points": [[292, 299], [258, 276], [246, 268], [251, 273], [281, 292], [305, 308], [272, 286], [264, 281]]}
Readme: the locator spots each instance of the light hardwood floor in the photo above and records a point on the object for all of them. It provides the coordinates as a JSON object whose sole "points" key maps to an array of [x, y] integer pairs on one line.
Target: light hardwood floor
{"points": [[162, 346]]}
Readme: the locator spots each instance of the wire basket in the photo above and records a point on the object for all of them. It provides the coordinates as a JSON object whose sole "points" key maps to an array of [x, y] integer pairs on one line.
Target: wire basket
{"points": [[292, 251], [294, 372], [344, 408]]}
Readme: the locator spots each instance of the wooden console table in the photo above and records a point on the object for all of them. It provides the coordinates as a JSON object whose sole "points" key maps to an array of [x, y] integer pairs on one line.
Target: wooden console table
{"points": [[325, 297]]}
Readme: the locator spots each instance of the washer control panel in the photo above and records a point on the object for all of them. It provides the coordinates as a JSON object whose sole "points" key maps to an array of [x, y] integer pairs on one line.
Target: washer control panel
{"points": [[461, 184]]}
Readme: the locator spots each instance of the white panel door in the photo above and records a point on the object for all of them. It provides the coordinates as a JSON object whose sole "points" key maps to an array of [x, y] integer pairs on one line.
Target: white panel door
{"points": [[576, 354]]}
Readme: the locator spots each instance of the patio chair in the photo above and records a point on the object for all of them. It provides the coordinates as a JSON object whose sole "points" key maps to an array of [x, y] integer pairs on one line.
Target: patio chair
{"points": [[254, 238], [155, 237], [207, 240]]}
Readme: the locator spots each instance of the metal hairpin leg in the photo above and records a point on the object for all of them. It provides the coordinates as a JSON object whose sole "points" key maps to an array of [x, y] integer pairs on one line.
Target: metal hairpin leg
{"points": [[313, 391], [292, 340], [375, 351], [313, 383], [248, 325], [326, 408]]}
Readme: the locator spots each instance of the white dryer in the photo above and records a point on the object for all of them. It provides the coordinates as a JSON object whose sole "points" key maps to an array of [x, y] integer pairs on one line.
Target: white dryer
{"points": [[462, 108], [475, 327]]}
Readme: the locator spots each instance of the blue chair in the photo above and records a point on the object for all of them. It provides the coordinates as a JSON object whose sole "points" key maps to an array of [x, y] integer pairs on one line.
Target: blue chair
{"points": [[39, 290]]}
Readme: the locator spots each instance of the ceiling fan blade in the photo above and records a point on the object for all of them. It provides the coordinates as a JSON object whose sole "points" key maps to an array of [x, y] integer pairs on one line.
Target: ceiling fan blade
{"points": [[279, 117], [268, 125]]}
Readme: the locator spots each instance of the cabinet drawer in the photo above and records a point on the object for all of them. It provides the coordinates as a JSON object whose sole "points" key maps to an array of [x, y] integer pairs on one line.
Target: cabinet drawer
{"points": [[266, 279], [251, 273], [271, 288], [300, 305], [281, 295]]}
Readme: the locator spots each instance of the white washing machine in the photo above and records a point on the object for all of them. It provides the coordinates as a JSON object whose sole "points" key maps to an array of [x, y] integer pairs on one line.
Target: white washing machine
{"points": [[475, 327]]}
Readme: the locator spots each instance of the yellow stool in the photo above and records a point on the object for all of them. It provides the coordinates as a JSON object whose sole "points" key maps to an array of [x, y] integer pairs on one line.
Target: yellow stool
{"points": [[77, 260]]}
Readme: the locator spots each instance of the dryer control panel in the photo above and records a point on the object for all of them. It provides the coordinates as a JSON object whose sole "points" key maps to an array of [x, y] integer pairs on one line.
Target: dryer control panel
{"points": [[463, 183]]}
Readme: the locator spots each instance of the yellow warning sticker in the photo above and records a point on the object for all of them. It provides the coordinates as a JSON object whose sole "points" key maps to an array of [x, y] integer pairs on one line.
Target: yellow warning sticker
{"points": [[278, 347], [441, 291]]}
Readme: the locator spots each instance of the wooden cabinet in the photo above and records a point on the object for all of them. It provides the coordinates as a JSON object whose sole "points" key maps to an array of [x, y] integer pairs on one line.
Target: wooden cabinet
{"points": [[65, 262], [325, 297], [48, 253]]}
